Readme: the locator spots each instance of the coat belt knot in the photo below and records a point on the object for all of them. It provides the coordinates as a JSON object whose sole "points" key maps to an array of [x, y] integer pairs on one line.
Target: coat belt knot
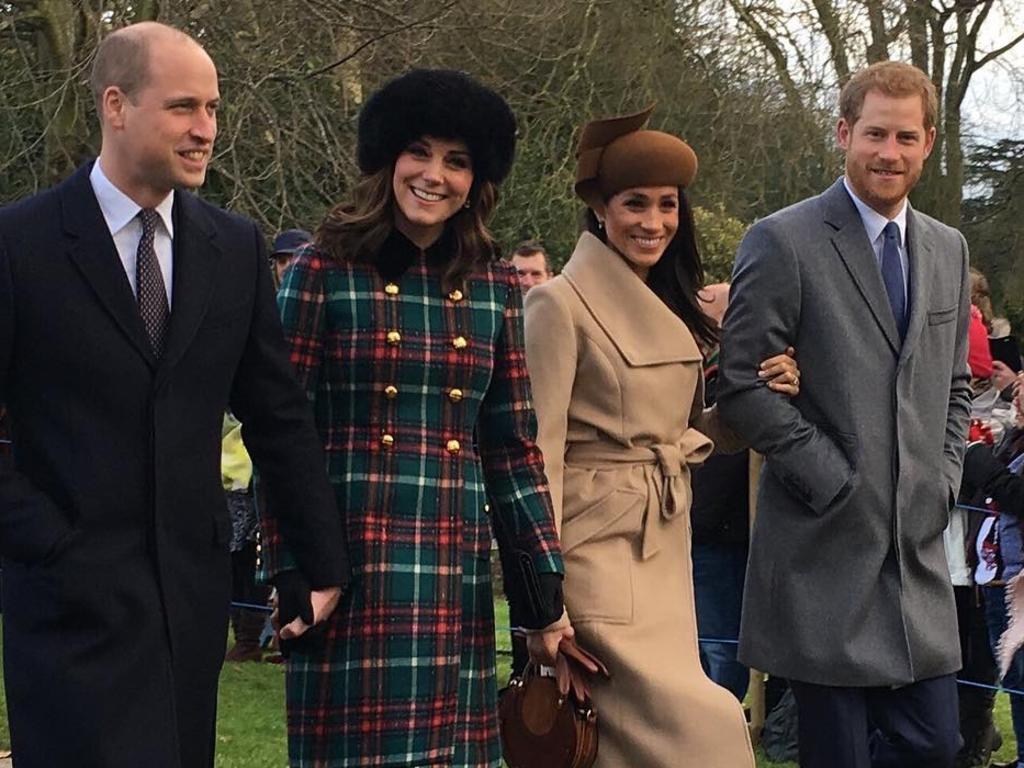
{"points": [[668, 486], [668, 493]]}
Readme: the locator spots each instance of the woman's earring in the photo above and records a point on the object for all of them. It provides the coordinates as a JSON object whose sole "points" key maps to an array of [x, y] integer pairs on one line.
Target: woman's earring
{"points": [[466, 204], [600, 224]]}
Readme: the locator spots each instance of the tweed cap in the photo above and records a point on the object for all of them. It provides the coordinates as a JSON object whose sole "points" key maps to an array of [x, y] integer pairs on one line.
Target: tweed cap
{"points": [[444, 104], [616, 154]]}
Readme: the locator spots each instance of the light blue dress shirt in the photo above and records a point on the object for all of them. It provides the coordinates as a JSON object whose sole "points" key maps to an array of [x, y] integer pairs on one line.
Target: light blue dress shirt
{"points": [[121, 214], [874, 223]]}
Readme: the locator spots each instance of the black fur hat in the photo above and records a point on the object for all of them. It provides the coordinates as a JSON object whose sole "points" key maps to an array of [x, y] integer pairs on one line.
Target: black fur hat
{"points": [[444, 104]]}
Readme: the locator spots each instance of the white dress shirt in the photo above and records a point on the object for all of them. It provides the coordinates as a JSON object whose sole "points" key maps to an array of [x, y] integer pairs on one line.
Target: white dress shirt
{"points": [[121, 214], [874, 223]]}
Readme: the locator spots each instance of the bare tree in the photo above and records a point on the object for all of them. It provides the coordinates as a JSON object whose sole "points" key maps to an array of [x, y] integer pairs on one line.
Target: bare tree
{"points": [[943, 38]]}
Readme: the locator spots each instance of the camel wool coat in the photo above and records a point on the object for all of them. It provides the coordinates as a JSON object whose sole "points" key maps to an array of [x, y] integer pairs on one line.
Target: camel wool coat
{"points": [[618, 388]]}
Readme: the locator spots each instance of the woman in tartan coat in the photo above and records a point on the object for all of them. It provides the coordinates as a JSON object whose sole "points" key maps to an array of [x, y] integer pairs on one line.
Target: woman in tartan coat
{"points": [[407, 334]]}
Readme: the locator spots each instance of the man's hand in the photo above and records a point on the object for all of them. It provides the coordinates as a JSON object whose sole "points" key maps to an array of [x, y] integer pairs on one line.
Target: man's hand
{"points": [[322, 602]]}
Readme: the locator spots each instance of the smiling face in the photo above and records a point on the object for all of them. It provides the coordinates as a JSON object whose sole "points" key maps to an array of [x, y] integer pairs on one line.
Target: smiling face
{"points": [[885, 149], [161, 137], [431, 184], [640, 223]]}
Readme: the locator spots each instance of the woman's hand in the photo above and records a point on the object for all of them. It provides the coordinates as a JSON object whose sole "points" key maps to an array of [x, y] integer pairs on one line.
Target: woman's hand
{"points": [[542, 645], [781, 373]]}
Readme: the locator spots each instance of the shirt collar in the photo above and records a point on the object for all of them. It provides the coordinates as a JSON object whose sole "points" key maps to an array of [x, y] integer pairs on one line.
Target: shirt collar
{"points": [[118, 209], [874, 222]]}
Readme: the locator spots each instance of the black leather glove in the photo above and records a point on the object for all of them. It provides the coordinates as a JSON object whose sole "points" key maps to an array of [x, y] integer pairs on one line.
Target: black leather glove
{"points": [[293, 601]]}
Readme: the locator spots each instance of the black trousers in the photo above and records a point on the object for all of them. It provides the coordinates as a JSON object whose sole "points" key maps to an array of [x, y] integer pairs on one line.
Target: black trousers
{"points": [[914, 726]]}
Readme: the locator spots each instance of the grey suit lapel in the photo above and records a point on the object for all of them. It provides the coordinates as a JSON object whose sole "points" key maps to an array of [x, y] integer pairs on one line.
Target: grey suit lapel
{"points": [[851, 242], [919, 252]]}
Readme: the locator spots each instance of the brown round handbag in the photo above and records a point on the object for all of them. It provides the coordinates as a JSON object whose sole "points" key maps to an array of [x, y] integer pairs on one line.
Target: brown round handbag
{"points": [[550, 722]]}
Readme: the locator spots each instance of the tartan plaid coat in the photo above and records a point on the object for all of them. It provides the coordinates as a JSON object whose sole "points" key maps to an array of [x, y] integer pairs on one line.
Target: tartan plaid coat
{"points": [[403, 376]]}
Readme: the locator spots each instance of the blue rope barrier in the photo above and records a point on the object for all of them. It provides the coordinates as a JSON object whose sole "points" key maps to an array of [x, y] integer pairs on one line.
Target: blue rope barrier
{"points": [[252, 607], [971, 683], [983, 510], [703, 640]]}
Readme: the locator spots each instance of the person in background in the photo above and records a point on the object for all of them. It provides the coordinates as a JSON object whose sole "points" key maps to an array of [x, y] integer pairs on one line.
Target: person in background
{"points": [[1003, 345], [977, 727], [720, 517], [979, 355], [283, 251], [236, 475], [532, 264], [995, 474]]}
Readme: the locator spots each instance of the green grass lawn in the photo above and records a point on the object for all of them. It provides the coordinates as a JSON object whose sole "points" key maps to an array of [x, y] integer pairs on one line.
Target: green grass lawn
{"points": [[250, 726]]}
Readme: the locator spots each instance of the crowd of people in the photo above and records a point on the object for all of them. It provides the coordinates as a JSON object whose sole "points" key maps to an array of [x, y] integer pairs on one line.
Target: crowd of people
{"points": [[401, 406]]}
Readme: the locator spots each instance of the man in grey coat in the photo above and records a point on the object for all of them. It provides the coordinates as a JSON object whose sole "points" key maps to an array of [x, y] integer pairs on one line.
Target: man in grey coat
{"points": [[847, 592]]}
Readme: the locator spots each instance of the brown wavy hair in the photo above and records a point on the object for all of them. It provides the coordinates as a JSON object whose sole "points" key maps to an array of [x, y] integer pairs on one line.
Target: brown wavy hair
{"points": [[356, 229]]}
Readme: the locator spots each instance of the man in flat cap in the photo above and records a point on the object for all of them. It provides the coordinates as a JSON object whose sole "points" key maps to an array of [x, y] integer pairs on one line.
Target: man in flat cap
{"points": [[283, 250], [847, 593], [132, 315]]}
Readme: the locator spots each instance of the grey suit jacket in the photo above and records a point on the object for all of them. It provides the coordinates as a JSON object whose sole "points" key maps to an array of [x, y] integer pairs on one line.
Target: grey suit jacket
{"points": [[847, 582]]}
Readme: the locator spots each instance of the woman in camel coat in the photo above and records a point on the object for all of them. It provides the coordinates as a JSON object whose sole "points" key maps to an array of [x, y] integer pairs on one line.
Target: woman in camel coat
{"points": [[618, 388]]}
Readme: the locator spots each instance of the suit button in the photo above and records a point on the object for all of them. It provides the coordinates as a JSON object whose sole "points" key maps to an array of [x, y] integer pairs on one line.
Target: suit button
{"points": [[391, 289], [387, 440], [455, 395], [459, 342], [394, 337], [390, 392], [456, 295], [453, 447]]}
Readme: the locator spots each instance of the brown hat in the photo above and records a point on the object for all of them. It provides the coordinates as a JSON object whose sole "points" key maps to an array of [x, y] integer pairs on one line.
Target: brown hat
{"points": [[614, 154]]}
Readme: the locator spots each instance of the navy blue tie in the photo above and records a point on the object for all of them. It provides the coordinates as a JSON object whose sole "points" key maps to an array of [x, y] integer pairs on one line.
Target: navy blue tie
{"points": [[892, 274]]}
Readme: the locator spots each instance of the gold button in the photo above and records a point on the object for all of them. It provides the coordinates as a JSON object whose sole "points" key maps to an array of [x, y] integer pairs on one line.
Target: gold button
{"points": [[459, 342], [387, 440], [390, 392], [394, 337], [456, 295], [453, 447], [391, 289], [455, 395]]}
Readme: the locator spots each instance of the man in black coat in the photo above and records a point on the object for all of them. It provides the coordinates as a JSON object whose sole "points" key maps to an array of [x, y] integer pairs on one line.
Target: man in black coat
{"points": [[132, 314]]}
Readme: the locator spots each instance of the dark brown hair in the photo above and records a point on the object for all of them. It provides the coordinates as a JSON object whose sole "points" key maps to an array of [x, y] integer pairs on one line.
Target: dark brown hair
{"points": [[892, 78], [356, 229], [678, 275], [531, 248]]}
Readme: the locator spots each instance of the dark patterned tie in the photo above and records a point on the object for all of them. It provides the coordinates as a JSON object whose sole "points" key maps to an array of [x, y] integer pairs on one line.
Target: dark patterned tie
{"points": [[892, 274], [149, 284]]}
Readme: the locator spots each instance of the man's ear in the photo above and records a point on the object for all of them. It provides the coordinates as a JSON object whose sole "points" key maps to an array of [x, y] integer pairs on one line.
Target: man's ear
{"points": [[113, 104], [929, 142], [843, 130]]}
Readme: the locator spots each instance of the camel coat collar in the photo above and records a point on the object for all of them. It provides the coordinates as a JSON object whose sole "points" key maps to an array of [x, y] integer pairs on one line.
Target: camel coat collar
{"points": [[642, 328]]}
